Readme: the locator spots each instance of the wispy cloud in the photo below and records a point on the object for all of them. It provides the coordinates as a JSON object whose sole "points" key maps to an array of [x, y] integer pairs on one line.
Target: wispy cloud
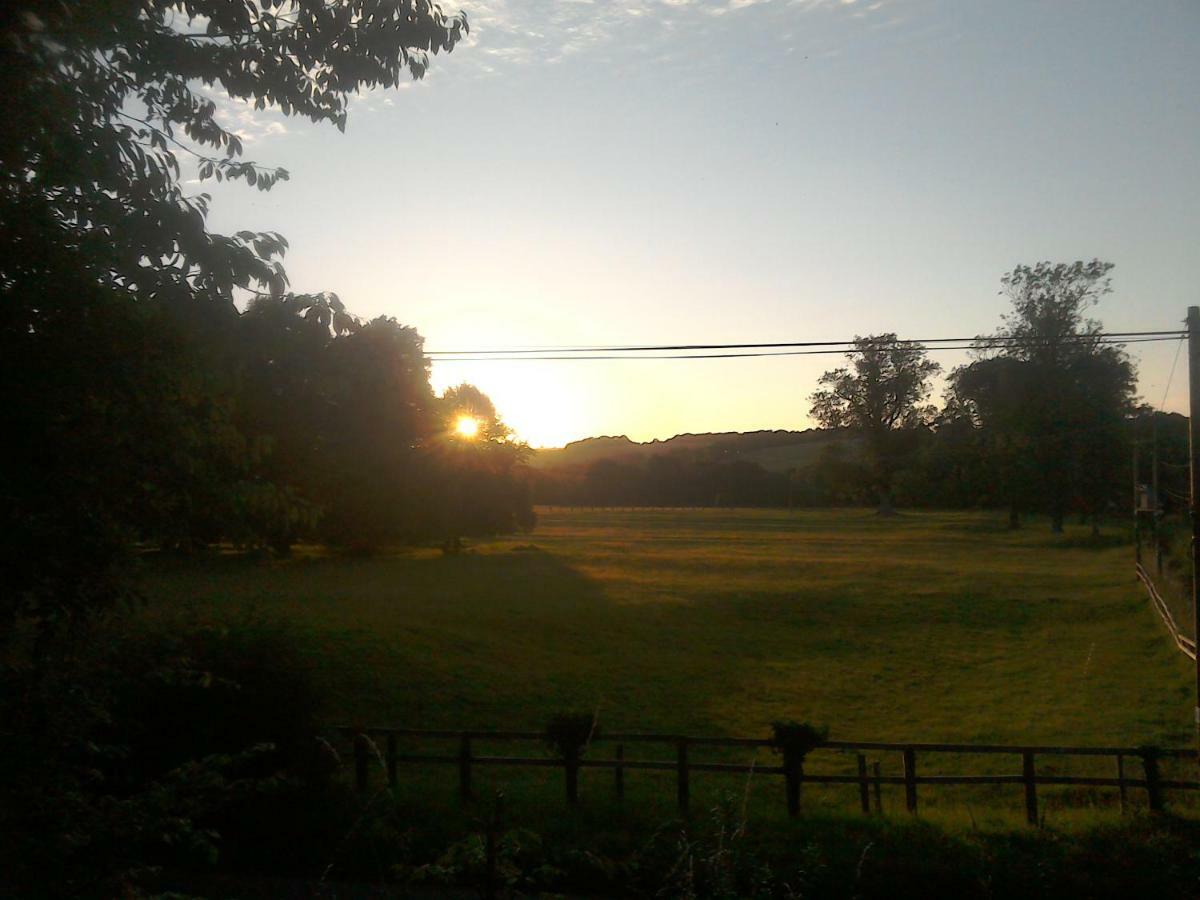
{"points": [[525, 32], [697, 35]]}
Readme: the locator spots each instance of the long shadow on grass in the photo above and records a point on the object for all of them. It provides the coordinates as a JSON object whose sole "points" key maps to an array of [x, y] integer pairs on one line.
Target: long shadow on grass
{"points": [[505, 639]]}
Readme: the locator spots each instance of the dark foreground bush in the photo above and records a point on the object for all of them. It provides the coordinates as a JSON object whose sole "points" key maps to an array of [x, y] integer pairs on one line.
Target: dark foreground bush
{"points": [[135, 751], [828, 857], [184, 694], [163, 761], [412, 850]]}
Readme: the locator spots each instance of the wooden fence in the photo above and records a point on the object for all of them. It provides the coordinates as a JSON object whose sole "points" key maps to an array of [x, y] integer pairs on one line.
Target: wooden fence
{"points": [[1182, 641], [868, 779]]}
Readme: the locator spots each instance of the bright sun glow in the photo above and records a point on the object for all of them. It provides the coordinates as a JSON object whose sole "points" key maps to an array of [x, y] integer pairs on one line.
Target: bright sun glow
{"points": [[466, 426]]}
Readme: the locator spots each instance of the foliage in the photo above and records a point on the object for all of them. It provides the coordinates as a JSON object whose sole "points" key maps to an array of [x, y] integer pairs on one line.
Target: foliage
{"points": [[882, 395], [885, 390], [727, 855], [121, 440], [796, 739], [213, 688], [377, 412], [141, 750], [117, 298], [672, 479], [520, 863], [568, 733], [1052, 399], [484, 479], [102, 100], [1048, 305]]}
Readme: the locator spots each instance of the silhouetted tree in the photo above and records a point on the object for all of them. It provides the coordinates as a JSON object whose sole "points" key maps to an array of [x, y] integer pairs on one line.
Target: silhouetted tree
{"points": [[1052, 390], [108, 109], [995, 395], [483, 483], [378, 413], [113, 437], [881, 394]]}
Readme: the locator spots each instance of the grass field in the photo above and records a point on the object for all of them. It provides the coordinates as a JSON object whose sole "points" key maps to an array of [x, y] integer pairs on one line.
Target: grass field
{"points": [[925, 627]]}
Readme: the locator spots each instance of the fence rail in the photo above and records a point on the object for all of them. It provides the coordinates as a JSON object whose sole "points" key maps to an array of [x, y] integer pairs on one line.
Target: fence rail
{"points": [[867, 780], [1182, 641]]}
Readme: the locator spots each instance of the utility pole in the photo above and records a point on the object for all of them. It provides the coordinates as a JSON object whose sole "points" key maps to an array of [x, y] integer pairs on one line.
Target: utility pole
{"points": [[1193, 332], [1137, 503], [1156, 503]]}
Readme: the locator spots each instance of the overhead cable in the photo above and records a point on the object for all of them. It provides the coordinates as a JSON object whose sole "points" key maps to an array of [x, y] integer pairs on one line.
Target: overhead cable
{"points": [[741, 351]]}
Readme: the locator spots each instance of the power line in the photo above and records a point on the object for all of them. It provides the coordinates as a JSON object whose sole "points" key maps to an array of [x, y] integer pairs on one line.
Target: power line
{"points": [[997, 340], [743, 351]]}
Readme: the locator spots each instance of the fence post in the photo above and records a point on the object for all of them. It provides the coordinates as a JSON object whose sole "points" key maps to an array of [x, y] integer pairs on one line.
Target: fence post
{"points": [[681, 774], [864, 790], [464, 767], [360, 762], [793, 772], [619, 772], [1029, 774], [878, 787], [1153, 789], [571, 771], [910, 779], [391, 759], [1121, 779]]}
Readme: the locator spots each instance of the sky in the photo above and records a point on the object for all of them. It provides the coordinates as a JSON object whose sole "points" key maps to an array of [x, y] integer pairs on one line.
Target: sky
{"points": [[590, 172]]}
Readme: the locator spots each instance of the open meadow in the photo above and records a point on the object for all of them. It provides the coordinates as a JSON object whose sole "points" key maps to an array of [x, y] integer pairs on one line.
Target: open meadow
{"points": [[926, 627]]}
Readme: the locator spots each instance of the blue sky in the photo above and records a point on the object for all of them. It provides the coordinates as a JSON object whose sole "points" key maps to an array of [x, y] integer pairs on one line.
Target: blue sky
{"points": [[714, 171]]}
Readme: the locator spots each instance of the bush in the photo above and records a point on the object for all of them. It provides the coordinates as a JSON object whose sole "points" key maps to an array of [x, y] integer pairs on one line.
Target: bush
{"points": [[568, 734], [795, 740], [215, 688], [148, 749]]}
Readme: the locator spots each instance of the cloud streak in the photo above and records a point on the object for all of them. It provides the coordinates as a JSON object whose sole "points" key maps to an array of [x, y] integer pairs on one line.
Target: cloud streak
{"points": [[507, 33]]}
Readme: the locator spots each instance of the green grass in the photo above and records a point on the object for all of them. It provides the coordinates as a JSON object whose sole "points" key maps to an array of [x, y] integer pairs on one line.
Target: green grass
{"points": [[926, 627]]}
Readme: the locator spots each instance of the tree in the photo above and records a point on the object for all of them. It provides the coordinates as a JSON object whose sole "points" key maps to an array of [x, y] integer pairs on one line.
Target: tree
{"points": [[103, 100], [113, 437], [995, 395], [483, 484], [106, 104], [1053, 389], [882, 395], [465, 401], [377, 414]]}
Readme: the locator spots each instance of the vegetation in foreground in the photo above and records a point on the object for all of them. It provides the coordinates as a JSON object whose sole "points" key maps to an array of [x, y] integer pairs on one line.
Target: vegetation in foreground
{"points": [[199, 802]]}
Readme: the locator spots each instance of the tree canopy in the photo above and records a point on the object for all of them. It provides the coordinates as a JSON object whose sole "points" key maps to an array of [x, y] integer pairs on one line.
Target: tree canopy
{"points": [[882, 393], [1052, 396], [150, 408], [106, 102]]}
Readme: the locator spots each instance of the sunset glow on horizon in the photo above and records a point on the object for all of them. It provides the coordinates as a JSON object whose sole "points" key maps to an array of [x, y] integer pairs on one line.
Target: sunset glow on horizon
{"points": [[719, 172]]}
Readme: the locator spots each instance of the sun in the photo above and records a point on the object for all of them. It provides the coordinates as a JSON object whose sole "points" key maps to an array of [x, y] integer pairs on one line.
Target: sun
{"points": [[466, 427]]}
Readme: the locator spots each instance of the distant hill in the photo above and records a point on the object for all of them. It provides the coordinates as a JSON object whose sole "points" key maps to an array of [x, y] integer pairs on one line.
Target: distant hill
{"points": [[775, 451]]}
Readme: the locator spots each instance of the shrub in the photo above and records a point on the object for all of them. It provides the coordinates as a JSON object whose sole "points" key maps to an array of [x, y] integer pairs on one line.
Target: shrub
{"points": [[144, 749], [795, 740], [568, 734], [217, 688]]}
